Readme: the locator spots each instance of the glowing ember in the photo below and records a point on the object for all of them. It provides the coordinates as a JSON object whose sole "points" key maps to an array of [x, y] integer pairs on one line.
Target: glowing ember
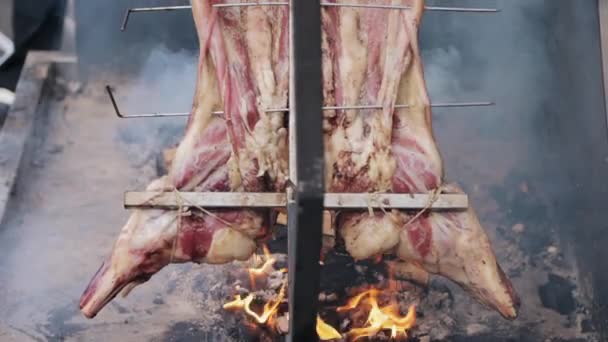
{"points": [[325, 331], [380, 318], [270, 308]]}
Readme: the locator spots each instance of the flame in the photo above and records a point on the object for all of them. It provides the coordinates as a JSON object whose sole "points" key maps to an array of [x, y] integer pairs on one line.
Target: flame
{"points": [[266, 268], [325, 331], [270, 308], [380, 318]]}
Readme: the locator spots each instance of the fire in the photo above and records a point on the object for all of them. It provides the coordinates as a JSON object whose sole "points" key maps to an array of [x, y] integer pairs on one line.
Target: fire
{"points": [[266, 268], [268, 313], [270, 310], [325, 331], [380, 318]]}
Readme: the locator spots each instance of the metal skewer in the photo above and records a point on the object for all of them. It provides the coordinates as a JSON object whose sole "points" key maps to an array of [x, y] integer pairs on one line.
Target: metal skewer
{"points": [[249, 4], [128, 12], [147, 115], [428, 8], [326, 4], [277, 110]]}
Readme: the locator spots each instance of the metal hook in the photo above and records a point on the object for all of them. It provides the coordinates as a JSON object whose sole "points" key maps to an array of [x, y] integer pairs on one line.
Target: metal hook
{"points": [[128, 12], [150, 115]]}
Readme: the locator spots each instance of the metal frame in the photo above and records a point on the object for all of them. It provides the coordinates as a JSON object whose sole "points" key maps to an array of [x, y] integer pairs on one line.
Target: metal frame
{"points": [[306, 214], [304, 198], [327, 4]]}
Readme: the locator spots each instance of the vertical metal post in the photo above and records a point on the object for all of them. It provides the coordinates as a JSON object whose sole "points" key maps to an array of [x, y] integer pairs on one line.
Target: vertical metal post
{"points": [[603, 18], [305, 214]]}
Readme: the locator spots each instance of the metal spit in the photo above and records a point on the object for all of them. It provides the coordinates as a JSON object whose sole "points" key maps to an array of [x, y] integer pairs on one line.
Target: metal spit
{"points": [[305, 198], [122, 115]]}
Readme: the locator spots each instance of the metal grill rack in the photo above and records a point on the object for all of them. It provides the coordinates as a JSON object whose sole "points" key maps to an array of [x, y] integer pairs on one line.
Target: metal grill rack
{"points": [[305, 198]]}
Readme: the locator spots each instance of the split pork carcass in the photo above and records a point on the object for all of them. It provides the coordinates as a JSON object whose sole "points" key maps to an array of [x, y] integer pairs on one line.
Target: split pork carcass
{"points": [[370, 57]]}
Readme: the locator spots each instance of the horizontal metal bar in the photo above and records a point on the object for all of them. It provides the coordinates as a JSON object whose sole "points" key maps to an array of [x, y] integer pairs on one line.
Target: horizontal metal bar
{"points": [[397, 7], [372, 6], [461, 104], [248, 4], [277, 110], [326, 4], [394, 201], [163, 8], [145, 115], [399, 106], [461, 9], [169, 200]]}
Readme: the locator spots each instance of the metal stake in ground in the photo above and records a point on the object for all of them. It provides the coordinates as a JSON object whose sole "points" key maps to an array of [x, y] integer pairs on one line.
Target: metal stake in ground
{"points": [[305, 215]]}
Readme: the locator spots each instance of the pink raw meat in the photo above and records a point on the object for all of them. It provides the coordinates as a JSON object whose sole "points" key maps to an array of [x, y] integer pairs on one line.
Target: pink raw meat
{"points": [[243, 69], [370, 57]]}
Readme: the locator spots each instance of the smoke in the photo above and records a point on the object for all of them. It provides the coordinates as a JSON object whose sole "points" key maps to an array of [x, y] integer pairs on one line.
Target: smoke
{"points": [[151, 65], [165, 82], [102, 46], [500, 57], [489, 56], [540, 62], [441, 66]]}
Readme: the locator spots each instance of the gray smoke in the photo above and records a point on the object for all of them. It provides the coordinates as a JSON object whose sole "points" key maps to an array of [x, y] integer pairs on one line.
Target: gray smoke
{"points": [[165, 82], [441, 68], [502, 57], [540, 62], [102, 46]]}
